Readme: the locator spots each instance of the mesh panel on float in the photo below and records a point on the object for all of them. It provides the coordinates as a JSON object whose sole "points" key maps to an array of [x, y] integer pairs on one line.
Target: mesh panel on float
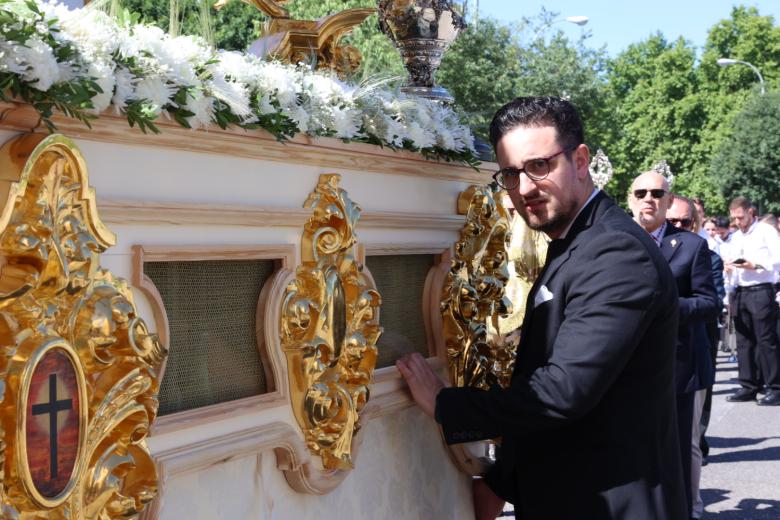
{"points": [[213, 355], [400, 280]]}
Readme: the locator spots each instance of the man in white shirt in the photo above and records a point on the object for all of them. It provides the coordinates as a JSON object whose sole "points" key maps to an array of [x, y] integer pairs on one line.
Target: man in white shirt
{"points": [[754, 258]]}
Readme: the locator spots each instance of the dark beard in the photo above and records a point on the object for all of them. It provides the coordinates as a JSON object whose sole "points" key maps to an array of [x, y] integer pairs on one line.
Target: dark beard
{"points": [[557, 222]]}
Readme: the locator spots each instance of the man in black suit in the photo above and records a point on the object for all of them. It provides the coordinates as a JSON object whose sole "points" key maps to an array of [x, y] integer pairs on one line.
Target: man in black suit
{"points": [[689, 258], [587, 425]]}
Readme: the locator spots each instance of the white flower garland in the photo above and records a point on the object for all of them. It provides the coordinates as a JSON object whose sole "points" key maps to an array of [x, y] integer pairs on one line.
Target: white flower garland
{"points": [[83, 62]]}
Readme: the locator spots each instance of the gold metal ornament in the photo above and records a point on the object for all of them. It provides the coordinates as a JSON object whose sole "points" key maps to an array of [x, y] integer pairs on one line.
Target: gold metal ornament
{"points": [[78, 367], [329, 328], [473, 297], [294, 41]]}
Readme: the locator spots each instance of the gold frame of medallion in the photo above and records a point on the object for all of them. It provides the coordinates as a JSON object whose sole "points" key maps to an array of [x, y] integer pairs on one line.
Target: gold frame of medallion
{"points": [[54, 295], [25, 378], [329, 329]]}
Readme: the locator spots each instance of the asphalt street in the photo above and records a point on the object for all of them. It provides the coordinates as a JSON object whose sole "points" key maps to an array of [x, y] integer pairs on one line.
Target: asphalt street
{"points": [[742, 478]]}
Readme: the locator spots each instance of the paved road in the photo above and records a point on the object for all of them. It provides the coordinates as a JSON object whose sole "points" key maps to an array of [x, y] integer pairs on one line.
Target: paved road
{"points": [[742, 478]]}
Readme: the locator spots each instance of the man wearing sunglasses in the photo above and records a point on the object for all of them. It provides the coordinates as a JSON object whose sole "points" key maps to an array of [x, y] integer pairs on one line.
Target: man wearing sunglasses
{"points": [[689, 259], [587, 425]]}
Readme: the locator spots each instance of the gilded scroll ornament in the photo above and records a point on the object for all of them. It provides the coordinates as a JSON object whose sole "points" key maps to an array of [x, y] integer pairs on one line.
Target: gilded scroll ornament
{"points": [[79, 368], [478, 316], [329, 328], [294, 41]]}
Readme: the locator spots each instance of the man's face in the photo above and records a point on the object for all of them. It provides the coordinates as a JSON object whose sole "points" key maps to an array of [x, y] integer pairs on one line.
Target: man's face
{"points": [[711, 229], [742, 218], [680, 214], [548, 205], [649, 212]]}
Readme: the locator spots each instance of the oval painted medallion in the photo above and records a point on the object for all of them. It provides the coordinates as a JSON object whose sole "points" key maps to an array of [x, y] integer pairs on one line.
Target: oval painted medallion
{"points": [[53, 422]]}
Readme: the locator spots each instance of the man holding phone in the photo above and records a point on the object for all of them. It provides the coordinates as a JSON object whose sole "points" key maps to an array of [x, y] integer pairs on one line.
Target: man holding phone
{"points": [[755, 251]]}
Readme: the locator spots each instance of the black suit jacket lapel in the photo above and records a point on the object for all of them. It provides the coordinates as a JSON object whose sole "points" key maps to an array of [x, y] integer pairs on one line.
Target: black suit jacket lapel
{"points": [[558, 252], [671, 242]]}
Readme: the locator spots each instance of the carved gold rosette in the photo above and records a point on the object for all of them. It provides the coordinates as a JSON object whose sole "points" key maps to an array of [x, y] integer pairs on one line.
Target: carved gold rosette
{"points": [[329, 328], [78, 367], [473, 298]]}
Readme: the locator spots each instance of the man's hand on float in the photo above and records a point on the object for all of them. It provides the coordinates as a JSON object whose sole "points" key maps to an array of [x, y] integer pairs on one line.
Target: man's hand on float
{"points": [[423, 382]]}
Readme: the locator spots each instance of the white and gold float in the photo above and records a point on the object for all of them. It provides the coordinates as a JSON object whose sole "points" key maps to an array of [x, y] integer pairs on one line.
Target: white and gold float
{"points": [[283, 280]]}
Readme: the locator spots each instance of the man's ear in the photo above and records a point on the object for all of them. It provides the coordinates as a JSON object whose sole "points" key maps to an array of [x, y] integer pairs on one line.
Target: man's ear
{"points": [[581, 156]]}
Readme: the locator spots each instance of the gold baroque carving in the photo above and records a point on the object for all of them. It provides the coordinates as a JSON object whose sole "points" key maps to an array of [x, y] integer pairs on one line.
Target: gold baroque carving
{"points": [[329, 328], [494, 265], [474, 297], [295, 41], [79, 367]]}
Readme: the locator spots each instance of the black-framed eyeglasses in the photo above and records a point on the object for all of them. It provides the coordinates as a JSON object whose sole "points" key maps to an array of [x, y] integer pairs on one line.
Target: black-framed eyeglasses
{"points": [[536, 169], [656, 194], [683, 222]]}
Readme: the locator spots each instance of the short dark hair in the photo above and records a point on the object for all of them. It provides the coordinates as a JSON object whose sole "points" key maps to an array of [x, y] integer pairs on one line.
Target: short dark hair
{"points": [[539, 111], [741, 202], [722, 222]]}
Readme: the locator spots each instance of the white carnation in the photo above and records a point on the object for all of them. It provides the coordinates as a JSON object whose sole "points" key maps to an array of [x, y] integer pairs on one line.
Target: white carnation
{"points": [[124, 92], [300, 116], [127, 45], [93, 31], [104, 77], [41, 67], [446, 139], [9, 52], [156, 91], [345, 123], [419, 137], [202, 107], [234, 94], [240, 67], [281, 81], [264, 104]]}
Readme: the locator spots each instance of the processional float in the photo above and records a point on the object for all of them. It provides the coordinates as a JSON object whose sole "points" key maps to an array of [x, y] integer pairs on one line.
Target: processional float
{"points": [[273, 378]]}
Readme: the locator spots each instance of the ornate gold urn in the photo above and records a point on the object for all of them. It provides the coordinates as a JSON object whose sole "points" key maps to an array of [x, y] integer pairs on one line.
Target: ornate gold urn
{"points": [[421, 30]]}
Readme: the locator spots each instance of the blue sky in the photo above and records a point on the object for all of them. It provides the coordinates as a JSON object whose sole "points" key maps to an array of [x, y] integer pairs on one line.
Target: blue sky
{"points": [[617, 24]]}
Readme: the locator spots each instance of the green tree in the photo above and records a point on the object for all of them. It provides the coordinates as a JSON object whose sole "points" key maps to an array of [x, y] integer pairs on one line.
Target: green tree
{"points": [[657, 114], [481, 70], [489, 65], [748, 161], [571, 70], [233, 27], [747, 36], [669, 104]]}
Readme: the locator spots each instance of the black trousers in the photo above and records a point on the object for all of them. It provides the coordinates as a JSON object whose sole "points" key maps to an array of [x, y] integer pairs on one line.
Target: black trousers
{"points": [[685, 432], [713, 334], [758, 348]]}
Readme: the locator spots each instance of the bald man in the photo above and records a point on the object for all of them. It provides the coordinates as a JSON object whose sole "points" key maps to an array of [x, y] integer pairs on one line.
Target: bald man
{"points": [[689, 259]]}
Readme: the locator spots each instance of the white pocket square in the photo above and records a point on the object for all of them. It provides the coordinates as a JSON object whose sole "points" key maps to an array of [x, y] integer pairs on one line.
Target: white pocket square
{"points": [[542, 295]]}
